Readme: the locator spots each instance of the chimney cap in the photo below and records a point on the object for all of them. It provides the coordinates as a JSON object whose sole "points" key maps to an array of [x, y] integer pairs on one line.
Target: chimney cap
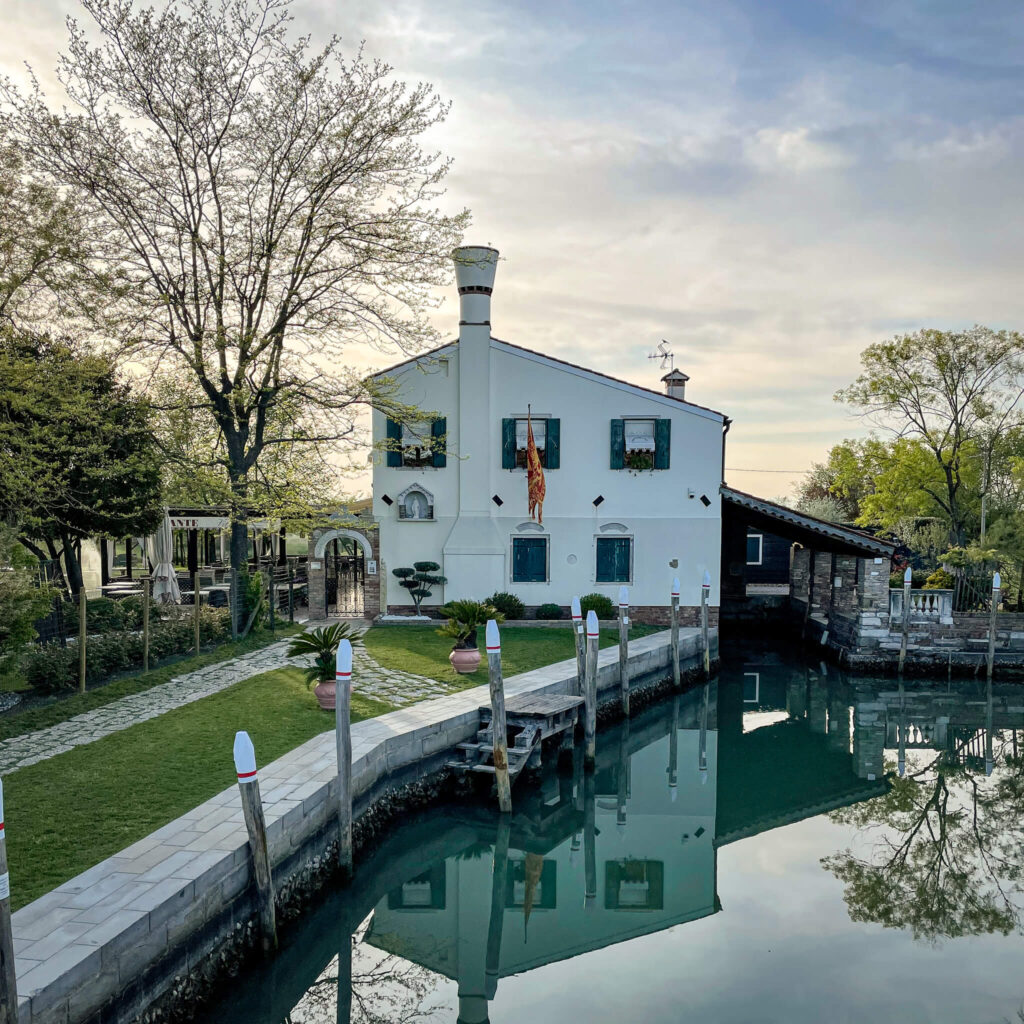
{"points": [[674, 375]]}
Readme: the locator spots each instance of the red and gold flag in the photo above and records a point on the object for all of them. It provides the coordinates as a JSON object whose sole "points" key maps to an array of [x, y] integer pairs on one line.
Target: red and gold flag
{"points": [[534, 474]]}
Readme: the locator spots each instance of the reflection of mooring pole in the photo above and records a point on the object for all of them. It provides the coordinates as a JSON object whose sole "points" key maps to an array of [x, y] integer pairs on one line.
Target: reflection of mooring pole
{"points": [[589, 841], [902, 753], [499, 882], [622, 789], [989, 760], [702, 755], [673, 752], [345, 980]]}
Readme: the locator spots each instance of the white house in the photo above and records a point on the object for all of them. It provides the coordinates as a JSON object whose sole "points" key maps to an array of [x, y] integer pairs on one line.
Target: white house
{"points": [[632, 474]]}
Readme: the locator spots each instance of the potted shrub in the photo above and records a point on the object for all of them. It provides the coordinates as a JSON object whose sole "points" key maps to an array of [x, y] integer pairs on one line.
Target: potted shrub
{"points": [[464, 619], [322, 643]]}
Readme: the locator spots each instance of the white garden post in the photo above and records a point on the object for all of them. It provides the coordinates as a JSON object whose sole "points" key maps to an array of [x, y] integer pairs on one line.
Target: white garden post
{"points": [[624, 649], [343, 743], [581, 653], [499, 726], [676, 676], [252, 809]]}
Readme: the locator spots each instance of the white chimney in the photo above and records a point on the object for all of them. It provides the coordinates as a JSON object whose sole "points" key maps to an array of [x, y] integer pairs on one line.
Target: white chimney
{"points": [[474, 275], [675, 384]]}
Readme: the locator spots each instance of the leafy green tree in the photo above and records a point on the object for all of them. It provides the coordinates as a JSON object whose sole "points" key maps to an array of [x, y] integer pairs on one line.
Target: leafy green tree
{"points": [[22, 599], [947, 396], [264, 205], [77, 453]]}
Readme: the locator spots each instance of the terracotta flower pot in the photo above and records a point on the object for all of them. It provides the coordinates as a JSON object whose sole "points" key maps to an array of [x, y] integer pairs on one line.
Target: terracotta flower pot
{"points": [[465, 659], [326, 695]]}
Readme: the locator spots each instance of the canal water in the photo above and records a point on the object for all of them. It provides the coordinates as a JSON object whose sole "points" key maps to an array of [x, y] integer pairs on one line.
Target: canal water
{"points": [[786, 844]]}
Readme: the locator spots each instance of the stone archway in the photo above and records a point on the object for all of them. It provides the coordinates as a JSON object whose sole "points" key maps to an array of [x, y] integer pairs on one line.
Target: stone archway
{"points": [[369, 541]]}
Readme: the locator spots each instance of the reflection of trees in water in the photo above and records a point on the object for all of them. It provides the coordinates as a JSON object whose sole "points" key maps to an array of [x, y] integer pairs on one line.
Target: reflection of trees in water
{"points": [[949, 855], [384, 989]]}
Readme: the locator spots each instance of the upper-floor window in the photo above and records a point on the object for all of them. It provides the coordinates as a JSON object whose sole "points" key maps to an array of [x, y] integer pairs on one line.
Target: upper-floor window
{"points": [[547, 436], [640, 442], [417, 444], [755, 548]]}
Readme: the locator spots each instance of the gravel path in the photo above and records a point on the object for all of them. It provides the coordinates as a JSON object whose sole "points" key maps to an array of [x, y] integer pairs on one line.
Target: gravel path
{"points": [[397, 688]]}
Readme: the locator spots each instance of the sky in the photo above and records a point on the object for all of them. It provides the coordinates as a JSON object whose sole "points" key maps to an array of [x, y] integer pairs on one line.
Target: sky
{"points": [[769, 186]]}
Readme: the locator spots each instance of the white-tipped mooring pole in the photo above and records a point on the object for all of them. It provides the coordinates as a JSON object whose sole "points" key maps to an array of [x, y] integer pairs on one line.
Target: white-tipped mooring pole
{"points": [[908, 577], [624, 649], [343, 742], [705, 597], [499, 727], [581, 653], [676, 676], [252, 809], [590, 694], [997, 584], [9, 996]]}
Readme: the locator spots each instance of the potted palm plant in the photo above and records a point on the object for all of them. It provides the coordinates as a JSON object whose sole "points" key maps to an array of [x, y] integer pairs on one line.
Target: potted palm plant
{"points": [[322, 644], [464, 620]]}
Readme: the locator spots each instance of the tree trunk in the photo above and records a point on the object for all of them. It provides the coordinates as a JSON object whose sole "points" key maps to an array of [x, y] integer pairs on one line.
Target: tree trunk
{"points": [[72, 565]]}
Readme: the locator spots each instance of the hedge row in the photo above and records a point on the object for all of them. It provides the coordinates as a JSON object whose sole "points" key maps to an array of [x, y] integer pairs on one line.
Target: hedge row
{"points": [[52, 667]]}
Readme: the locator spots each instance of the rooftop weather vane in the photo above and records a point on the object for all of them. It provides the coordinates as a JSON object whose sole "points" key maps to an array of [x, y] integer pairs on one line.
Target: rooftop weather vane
{"points": [[668, 360]]}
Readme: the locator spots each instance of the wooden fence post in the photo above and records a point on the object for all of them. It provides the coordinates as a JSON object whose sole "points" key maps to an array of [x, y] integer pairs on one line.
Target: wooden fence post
{"points": [[147, 597], [271, 596], [907, 584], [233, 603], [996, 586], [677, 680], [581, 653], [83, 603], [195, 608], [252, 809], [590, 694], [291, 590], [8, 979], [624, 649], [705, 597], [343, 741], [499, 726]]}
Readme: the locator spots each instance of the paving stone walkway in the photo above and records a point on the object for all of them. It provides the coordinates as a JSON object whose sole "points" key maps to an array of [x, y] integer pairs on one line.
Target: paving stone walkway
{"points": [[396, 688]]}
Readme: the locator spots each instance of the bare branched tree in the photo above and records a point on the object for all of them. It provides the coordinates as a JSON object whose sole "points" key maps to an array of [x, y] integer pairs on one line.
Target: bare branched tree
{"points": [[263, 205]]}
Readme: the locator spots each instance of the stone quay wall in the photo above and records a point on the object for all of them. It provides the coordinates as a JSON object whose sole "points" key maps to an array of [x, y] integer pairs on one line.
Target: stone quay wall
{"points": [[145, 923]]}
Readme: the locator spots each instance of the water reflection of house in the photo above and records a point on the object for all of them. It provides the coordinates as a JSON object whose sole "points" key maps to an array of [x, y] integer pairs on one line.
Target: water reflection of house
{"points": [[626, 862]]}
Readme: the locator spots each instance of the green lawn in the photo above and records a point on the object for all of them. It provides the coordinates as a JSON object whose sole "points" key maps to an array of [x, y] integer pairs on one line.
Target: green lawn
{"points": [[420, 650], [72, 811], [18, 722]]}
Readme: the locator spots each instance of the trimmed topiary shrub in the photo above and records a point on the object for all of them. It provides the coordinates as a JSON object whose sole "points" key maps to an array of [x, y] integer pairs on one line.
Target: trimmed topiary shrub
{"points": [[598, 603], [549, 611], [508, 604], [940, 580]]}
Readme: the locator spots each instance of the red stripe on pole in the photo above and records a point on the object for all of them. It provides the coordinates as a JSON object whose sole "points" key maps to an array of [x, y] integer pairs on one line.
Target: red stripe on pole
{"points": [[498, 648], [246, 775], [342, 675]]}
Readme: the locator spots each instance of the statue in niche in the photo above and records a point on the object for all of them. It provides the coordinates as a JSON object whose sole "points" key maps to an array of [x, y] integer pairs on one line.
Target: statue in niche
{"points": [[416, 506]]}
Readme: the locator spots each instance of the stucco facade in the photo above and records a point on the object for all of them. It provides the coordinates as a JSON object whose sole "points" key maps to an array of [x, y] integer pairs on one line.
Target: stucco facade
{"points": [[479, 505]]}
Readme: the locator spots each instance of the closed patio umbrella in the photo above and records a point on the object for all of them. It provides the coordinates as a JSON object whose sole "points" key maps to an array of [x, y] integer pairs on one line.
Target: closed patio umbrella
{"points": [[161, 553]]}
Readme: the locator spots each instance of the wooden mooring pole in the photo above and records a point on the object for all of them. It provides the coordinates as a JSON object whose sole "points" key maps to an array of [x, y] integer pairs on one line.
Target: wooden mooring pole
{"points": [[905, 634], [677, 681], [499, 727], [83, 629], [997, 584], [581, 652], [147, 597], [705, 597], [624, 649], [8, 979], [590, 694], [343, 742], [252, 809]]}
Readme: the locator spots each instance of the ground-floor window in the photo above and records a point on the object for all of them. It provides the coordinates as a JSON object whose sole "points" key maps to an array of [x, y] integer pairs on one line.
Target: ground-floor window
{"points": [[755, 546], [529, 559], [614, 559]]}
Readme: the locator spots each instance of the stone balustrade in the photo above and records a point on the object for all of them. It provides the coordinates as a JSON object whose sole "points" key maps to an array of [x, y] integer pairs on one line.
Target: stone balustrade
{"points": [[933, 605]]}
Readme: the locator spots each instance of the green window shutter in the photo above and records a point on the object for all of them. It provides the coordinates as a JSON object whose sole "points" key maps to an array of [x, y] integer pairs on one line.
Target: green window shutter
{"points": [[508, 444], [529, 559], [394, 452], [438, 429], [618, 445], [662, 443], [613, 559], [553, 446]]}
